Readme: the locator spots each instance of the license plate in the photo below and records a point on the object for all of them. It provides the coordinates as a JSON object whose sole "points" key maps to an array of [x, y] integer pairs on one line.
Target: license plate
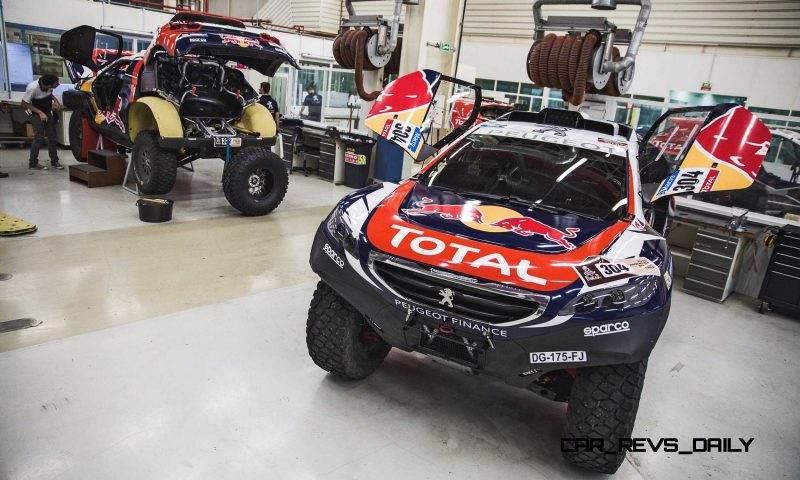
{"points": [[223, 141], [558, 357]]}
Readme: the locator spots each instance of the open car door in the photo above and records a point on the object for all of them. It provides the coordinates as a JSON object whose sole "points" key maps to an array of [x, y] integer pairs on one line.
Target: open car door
{"points": [[411, 106], [702, 149], [77, 46]]}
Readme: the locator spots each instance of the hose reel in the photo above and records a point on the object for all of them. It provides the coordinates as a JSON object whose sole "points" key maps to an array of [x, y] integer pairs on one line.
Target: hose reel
{"points": [[363, 44], [585, 60]]}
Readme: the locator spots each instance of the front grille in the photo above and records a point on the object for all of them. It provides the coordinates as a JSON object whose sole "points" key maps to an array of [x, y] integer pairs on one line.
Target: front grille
{"points": [[470, 300], [452, 347]]}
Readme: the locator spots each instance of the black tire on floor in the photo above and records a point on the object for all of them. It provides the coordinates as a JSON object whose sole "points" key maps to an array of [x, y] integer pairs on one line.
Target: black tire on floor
{"points": [[155, 168], [255, 181], [76, 135], [339, 339], [603, 405]]}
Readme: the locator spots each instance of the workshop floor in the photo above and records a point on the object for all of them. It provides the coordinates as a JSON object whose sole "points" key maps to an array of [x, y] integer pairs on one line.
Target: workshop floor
{"points": [[178, 351]]}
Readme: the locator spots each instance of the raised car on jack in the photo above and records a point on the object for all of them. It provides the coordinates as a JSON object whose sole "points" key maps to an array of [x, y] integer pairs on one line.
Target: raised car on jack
{"points": [[182, 99], [524, 251]]}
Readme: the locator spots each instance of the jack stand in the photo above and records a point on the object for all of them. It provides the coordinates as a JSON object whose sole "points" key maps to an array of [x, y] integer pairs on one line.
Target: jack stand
{"points": [[125, 186]]}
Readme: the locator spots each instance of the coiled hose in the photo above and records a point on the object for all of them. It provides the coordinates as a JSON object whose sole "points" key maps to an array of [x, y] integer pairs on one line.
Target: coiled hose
{"points": [[564, 62], [350, 52]]}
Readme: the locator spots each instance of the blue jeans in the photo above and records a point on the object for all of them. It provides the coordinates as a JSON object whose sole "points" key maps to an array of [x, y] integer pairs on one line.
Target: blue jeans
{"points": [[40, 131]]}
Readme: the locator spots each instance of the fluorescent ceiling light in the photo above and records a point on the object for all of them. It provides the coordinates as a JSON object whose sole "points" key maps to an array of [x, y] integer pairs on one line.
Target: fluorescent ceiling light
{"points": [[571, 169], [622, 202]]}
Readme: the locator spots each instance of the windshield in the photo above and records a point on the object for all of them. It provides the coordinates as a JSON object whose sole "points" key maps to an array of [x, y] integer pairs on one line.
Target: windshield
{"points": [[560, 178]]}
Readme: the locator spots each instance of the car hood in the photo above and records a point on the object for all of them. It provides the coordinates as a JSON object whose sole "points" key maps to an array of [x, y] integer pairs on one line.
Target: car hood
{"points": [[530, 249], [496, 223]]}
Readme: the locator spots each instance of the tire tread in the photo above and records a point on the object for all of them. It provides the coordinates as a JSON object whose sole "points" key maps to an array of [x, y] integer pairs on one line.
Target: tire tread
{"points": [[603, 404], [233, 179], [329, 332], [163, 162]]}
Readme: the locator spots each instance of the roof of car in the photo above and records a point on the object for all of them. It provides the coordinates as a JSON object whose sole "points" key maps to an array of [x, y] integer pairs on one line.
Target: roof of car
{"points": [[581, 138], [208, 18]]}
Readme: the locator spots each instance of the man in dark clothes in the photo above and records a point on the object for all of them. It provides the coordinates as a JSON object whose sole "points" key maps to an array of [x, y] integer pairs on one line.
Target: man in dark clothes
{"points": [[314, 103], [39, 102], [269, 102]]}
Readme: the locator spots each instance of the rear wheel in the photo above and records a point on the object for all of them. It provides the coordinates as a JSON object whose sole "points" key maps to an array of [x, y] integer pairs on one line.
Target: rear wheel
{"points": [[339, 339], [255, 181], [76, 135], [603, 406], [154, 167]]}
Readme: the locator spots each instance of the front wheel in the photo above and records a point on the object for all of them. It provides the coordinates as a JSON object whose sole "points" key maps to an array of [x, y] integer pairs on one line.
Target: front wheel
{"points": [[255, 181], [339, 339], [602, 407]]}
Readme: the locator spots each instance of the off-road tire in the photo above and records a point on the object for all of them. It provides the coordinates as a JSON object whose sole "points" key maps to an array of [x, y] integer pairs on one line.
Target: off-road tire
{"points": [[339, 339], [241, 176], [603, 405], [76, 135], [155, 168]]}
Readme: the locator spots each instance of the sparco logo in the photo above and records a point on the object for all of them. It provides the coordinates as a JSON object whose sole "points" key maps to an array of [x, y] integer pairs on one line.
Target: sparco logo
{"points": [[606, 329], [334, 256]]}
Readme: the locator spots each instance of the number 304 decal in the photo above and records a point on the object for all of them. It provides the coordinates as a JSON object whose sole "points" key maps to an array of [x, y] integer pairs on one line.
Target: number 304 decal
{"points": [[404, 134], [604, 271], [695, 180], [612, 269]]}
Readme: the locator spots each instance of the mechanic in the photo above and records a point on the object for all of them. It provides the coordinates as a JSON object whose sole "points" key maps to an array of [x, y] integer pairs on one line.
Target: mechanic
{"points": [[313, 101], [39, 102], [269, 102]]}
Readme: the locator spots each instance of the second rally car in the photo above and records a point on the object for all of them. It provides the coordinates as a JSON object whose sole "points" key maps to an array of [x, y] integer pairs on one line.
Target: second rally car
{"points": [[182, 99], [524, 250]]}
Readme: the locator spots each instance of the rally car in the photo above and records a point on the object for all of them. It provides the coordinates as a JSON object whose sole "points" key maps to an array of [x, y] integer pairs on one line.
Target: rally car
{"points": [[183, 98], [523, 251]]}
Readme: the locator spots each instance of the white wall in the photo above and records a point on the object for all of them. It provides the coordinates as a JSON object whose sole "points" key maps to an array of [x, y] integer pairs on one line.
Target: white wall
{"points": [[66, 14], [771, 82], [773, 23]]}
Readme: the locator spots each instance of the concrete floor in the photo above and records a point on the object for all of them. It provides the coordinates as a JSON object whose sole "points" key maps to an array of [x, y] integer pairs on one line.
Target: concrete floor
{"points": [[178, 351]]}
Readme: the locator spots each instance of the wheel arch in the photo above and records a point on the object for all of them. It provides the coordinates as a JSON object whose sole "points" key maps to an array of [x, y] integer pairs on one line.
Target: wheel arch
{"points": [[256, 118], [153, 113]]}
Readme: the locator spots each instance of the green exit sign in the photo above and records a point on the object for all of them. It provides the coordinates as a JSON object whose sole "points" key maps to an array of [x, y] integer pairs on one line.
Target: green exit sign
{"points": [[444, 46]]}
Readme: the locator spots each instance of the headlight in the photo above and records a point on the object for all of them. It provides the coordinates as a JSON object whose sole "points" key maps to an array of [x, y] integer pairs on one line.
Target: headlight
{"points": [[632, 295], [338, 228]]}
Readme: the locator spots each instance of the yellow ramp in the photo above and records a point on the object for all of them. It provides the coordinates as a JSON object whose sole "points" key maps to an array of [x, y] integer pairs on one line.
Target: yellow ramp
{"points": [[14, 226]]}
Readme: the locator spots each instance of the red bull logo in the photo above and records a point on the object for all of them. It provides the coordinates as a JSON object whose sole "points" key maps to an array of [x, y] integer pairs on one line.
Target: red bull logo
{"points": [[448, 212], [406, 93], [527, 226], [243, 42], [737, 137], [495, 219]]}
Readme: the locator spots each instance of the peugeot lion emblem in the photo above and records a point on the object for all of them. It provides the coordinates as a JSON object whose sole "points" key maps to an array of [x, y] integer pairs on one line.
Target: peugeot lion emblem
{"points": [[447, 297]]}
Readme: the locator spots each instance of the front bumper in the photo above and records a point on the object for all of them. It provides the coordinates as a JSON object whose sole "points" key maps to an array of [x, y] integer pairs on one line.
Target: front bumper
{"points": [[175, 143], [505, 353]]}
